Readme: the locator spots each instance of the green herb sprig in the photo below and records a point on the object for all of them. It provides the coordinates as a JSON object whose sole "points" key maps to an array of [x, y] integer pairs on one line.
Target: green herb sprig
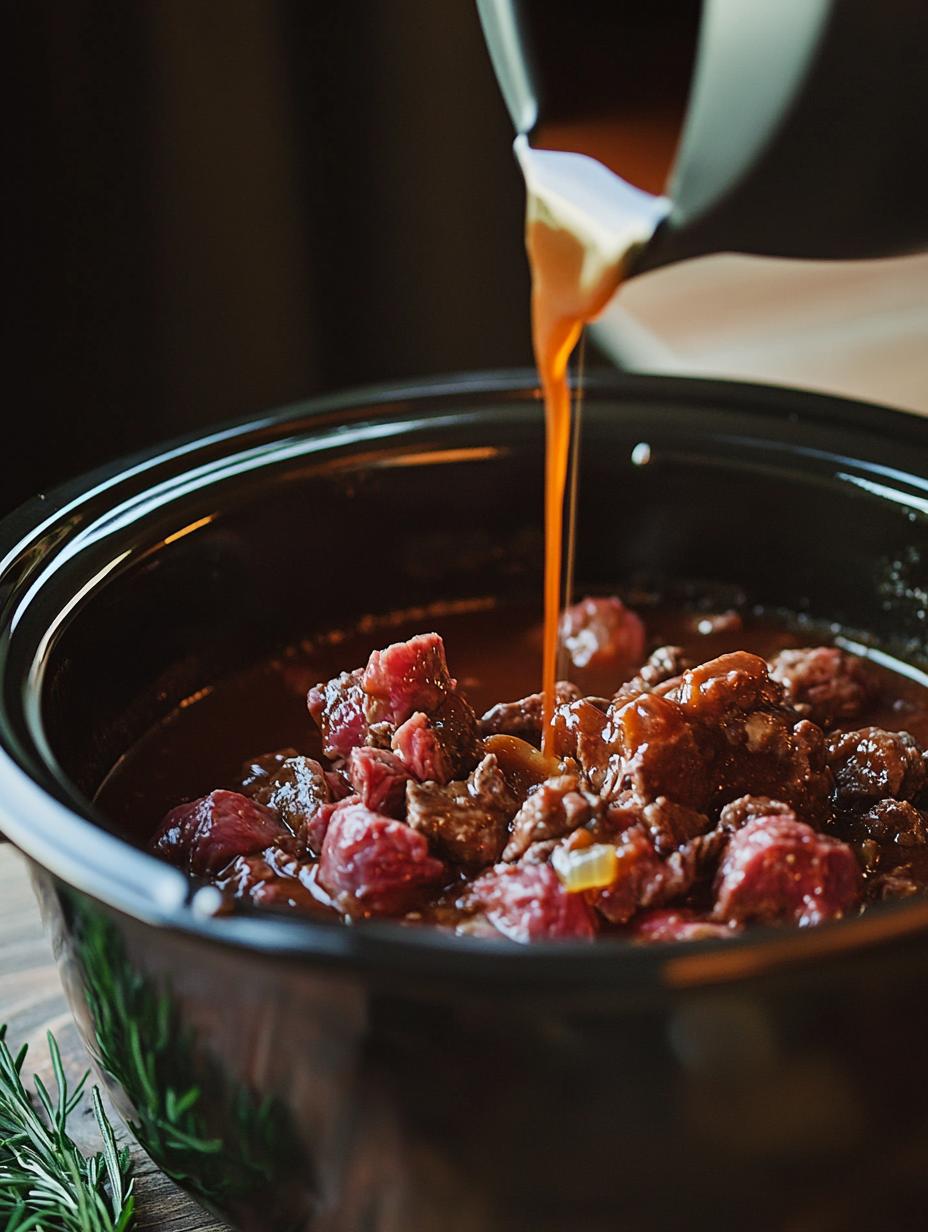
{"points": [[46, 1183]]}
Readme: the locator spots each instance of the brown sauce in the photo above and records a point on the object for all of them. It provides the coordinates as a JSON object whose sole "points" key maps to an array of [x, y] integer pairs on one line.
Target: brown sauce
{"points": [[493, 650]]}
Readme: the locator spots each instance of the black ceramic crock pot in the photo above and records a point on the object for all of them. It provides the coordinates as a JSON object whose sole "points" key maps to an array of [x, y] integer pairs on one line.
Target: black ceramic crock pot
{"points": [[379, 1079]]}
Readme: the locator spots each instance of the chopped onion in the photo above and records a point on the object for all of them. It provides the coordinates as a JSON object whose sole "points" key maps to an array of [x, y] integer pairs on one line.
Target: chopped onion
{"points": [[588, 868], [517, 756]]}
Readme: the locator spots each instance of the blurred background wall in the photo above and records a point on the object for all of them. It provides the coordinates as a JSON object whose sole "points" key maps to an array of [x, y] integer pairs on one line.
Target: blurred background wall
{"points": [[210, 207]]}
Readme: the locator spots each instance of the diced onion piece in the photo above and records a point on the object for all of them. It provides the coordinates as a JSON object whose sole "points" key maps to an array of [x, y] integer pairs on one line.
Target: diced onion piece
{"points": [[517, 756], [589, 868]]}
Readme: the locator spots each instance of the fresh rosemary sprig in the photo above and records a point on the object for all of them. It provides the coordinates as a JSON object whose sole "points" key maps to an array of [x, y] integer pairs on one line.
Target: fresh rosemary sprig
{"points": [[46, 1184]]}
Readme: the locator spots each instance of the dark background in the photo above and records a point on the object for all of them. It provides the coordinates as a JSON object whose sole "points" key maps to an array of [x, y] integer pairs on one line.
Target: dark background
{"points": [[211, 207]]}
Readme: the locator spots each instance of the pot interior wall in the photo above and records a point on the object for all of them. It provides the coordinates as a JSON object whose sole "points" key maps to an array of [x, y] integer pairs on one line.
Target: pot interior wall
{"points": [[797, 514]]}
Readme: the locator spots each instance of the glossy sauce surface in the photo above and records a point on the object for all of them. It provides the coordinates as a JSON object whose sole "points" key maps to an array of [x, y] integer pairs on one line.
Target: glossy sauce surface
{"points": [[493, 651]]}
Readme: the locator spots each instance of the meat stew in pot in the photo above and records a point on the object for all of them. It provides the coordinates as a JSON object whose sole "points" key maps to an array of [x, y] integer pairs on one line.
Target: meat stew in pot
{"points": [[708, 769]]}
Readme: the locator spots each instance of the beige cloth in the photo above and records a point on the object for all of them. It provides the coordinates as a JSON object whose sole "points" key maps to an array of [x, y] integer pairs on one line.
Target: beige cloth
{"points": [[856, 328]]}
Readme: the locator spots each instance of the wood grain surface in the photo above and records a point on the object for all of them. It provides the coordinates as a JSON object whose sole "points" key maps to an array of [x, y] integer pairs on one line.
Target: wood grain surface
{"points": [[32, 1003]]}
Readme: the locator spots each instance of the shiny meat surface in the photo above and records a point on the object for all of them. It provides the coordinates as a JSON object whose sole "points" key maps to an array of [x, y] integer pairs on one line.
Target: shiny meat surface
{"points": [[690, 795]]}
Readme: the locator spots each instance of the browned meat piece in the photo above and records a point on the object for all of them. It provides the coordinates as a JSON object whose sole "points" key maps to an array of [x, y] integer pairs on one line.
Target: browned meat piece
{"points": [[751, 743], [465, 821], [679, 924], [731, 684], [579, 732], [261, 881], [644, 879], [456, 723], [871, 764], [404, 678], [526, 902], [894, 821], [654, 752], [602, 633], [296, 790], [524, 717], [703, 853], [257, 770], [825, 684], [739, 812], [623, 811], [761, 754], [671, 825], [666, 664], [205, 835], [556, 807], [379, 778], [898, 883], [778, 869], [337, 706], [541, 852]]}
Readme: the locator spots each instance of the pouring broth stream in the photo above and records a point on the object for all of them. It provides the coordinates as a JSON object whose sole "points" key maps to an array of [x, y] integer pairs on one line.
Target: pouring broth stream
{"points": [[582, 223]]}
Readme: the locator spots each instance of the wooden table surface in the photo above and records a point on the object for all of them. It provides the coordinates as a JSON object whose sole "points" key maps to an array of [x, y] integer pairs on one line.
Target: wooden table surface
{"points": [[32, 1003]]}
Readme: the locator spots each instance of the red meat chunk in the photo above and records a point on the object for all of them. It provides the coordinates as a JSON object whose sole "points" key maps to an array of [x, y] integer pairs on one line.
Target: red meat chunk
{"points": [[825, 684], [418, 747], [338, 784], [379, 778], [602, 633], [526, 902], [778, 869], [205, 835], [679, 924], [404, 678], [338, 708], [374, 865], [319, 826], [441, 746]]}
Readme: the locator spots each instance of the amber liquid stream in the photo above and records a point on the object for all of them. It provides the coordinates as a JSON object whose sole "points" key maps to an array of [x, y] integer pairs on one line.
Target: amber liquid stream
{"points": [[560, 308], [577, 256]]}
